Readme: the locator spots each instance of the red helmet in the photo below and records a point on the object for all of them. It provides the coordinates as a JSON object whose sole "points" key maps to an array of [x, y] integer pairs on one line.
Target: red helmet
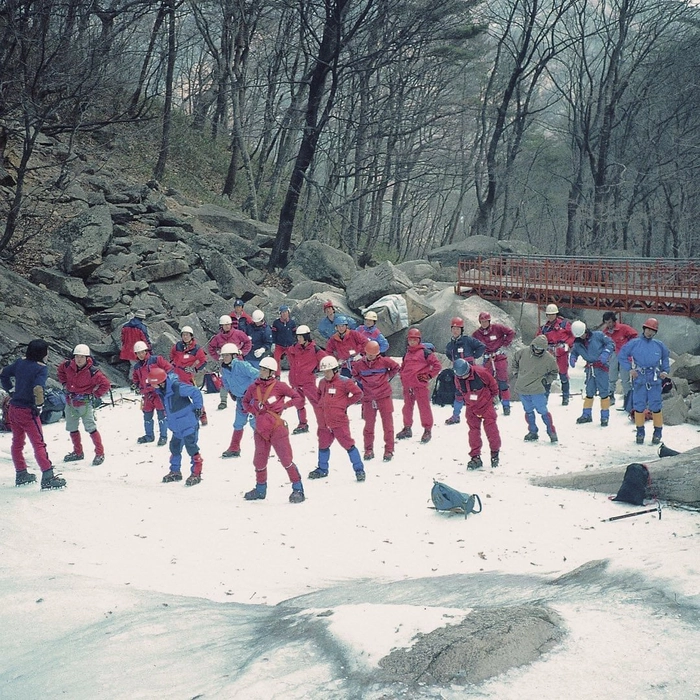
{"points": [[372, 347], [651, 323], [414, 333], [457, 321], [328, 305], [484, 316], [156, 375]]}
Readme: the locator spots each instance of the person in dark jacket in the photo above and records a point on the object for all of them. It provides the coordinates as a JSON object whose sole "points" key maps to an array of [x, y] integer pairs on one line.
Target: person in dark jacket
{"points": [[183, 408], [284, 331], [260, 339], [461, 347], [29, 377], [240, 320]]}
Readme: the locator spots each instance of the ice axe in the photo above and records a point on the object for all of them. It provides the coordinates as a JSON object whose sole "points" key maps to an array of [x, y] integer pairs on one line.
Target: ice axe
{"points": [[656, 509]]}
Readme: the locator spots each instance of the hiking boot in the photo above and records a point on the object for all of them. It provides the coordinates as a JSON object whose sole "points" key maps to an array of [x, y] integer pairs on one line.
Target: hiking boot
{"points": [[172, 476], [99, 459], [49, 480], [369, 454], [24, 477], [531, 437], [404, 434], [475, 463], [73, 457], [162, 440], [297, 497], [221, 406], [452, 420], [230, 453], [388, 456], [640, 439], [144, 439], [553, 437], [193, 479], [603, 422], [360, 475], [318, 474], [301, 428], [584, 419], [425, 438], [494, 460], [254, 495], [564, 400], [506, 410], [656, 437]]}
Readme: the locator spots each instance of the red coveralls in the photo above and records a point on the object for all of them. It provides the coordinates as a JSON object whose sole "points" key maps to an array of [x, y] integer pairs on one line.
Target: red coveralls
{"points": [[560, 339], [184, 357], [374, 377], [495, 337], [344, 348], [333, 399], [238, 338], [266, 400], [478, 391], [416, 371], [303, 365], [150, 400]]}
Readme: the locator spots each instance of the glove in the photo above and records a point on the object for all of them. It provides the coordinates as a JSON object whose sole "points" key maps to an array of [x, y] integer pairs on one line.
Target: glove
{"points": [[572, 361], [259, 352], [566, 347], [547, 385], [423, 377], [36, 410], [198, 413], [496, 400]]}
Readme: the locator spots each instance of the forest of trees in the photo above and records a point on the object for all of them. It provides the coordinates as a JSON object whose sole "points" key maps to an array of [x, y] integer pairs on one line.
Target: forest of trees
{"points": [[387, 127]]}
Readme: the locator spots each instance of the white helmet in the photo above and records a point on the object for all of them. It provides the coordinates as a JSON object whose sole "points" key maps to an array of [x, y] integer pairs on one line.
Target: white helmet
{"points": [[370, 316], [223, 320], [269, 363], [257, 316], [140, 346], [81, 349], [187, 329], [303, 330], [328, 362], [551, 309], [578, 328], [230, 349]]}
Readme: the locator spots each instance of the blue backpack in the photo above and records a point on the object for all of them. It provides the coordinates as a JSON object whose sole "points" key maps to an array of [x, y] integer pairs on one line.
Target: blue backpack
{"points": [[54, 406], [446, 498]]}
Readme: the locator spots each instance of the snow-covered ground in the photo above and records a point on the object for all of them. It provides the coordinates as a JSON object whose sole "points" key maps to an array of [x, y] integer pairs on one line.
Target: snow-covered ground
{"points": [[120, 586]]}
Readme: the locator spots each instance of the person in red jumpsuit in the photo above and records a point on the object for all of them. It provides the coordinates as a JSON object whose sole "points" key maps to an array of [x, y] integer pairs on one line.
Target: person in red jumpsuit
{"points": [[557, 330], [303, 358], [345, 345], [266, 398], [419, 366], [496, 338], [479, 389], [150, 400], [187, 358], [228, 334], [372, 372], [333, 397]]}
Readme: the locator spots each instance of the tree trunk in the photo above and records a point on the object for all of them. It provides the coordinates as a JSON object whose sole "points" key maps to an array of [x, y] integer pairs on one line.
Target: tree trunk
{"points": [[159, 170]]}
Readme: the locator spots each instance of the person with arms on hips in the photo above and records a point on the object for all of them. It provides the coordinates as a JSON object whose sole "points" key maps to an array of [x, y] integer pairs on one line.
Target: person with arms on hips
{"points": [[496, 338], [369, 331], [183, 407], [326, 326], [82, 381], [557, 330], [237, 375], [260, 338], [595, 348], [283, 335], [132, 332], [303, 358], [240, 320], [227, 334], [150, 400], [534, 370], [464, 347], [646, 360], [25, 379], [187, 358], [419, 366], [265, 399], [619, 333], [334, 396], [345, 345], [373, 372]]}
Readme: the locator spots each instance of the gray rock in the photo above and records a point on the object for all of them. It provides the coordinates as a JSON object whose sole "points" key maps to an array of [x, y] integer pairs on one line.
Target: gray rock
{"points": [[675, 411], [366, 286], [87, 236], [230, 245], [317, 261], [229, 221], [418, 308], [694, 412], [66, 286], [161, 270], [479, 246], [185, 296], [687, 367], [169, 233], [103, 296], [308, 288], [231, 282], [417, 270]]}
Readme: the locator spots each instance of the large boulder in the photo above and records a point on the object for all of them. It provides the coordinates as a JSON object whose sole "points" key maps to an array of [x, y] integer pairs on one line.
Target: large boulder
{"points": [[71, 287], [314, 260], [687, 367], [162, 270], [231, 282], [675, 411], [417, 270], [85, 239], [418, 308], [307, 288], [694, 412], [366, 286], [479, 247], [225, 220]]}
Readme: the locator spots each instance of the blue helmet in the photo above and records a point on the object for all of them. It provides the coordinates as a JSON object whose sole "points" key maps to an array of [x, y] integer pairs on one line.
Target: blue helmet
{"points": [[284, 307], [461, 367], [340, 321]]}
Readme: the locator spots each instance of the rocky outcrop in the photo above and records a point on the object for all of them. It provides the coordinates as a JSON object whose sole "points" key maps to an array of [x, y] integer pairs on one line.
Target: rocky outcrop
{"points": [[366, 286], [479, 247], [317, 261]]}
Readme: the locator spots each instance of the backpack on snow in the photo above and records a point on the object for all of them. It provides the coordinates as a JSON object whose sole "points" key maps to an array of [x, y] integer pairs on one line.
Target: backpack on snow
{"points": [[212, 383], [446, 498], [54, 406], [635, 485], [4, 405], [444, 390]]}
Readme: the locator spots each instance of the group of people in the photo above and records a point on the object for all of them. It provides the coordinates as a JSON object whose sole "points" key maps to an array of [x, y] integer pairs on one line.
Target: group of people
{"points": [[354, 368]]}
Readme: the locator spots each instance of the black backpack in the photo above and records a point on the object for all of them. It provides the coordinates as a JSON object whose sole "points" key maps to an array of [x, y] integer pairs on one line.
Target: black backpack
{"points": [[446, 498], [444, 390], [635, 485]]}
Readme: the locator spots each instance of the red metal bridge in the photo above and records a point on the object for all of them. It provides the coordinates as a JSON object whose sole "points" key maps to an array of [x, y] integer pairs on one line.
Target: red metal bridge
{"points": [[636, 285]]}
